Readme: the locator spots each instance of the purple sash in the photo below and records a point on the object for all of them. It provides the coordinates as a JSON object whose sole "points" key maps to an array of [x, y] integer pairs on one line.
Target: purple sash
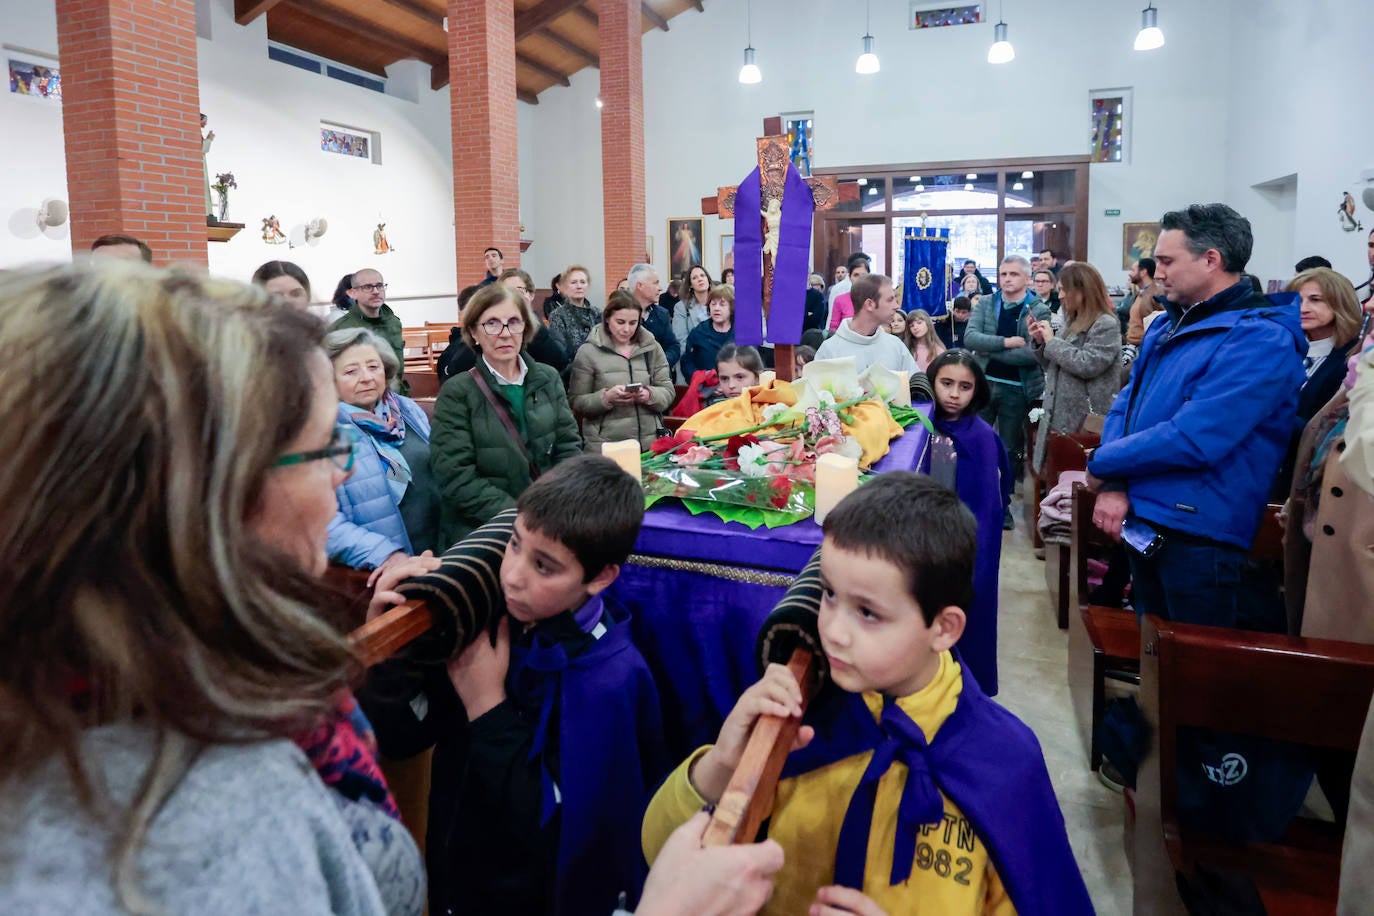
{"points": [[788, 308]]}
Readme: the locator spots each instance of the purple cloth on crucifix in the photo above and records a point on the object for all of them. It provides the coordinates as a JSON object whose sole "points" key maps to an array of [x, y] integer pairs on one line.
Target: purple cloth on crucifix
{"points": [[787, 308]]}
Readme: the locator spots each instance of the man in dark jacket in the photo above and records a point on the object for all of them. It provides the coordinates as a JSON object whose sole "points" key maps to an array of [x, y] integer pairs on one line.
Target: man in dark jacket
{"points": [[644, 286], [950, 328]]}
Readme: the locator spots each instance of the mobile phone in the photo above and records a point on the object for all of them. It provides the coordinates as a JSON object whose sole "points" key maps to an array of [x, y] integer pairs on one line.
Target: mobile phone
{"points": [[634, 386], [1141, 538]]}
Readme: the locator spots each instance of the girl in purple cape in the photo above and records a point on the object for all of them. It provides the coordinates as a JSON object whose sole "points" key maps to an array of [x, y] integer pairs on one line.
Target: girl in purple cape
{"points": [[982, 475]]}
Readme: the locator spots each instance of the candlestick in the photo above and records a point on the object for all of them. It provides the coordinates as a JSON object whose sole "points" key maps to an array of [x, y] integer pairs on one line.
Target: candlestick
{"points": [[903, 398], [624, 453], [836, 477], [766, 377]]}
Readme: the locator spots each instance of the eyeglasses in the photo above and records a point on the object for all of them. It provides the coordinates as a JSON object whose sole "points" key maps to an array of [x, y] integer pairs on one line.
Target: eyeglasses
{"points": [[342, 447], [494, 327], [372, 287]]}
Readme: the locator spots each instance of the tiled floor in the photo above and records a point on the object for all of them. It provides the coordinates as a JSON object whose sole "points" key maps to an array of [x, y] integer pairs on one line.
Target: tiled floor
{"points": [[1032, 660]]}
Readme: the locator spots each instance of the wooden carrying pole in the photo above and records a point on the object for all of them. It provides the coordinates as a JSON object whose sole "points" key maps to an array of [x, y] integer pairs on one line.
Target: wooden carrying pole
{"points": [[379, 639], [749, 796]]}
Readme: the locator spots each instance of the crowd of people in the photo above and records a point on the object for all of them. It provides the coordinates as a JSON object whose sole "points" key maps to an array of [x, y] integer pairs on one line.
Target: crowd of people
{"points": [[187, 728]]}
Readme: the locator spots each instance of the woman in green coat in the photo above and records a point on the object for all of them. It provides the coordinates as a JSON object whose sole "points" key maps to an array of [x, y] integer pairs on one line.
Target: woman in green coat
{"points": [[480, 466]]}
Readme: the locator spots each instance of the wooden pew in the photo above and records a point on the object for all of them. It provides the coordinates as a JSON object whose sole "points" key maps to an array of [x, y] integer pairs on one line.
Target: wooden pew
{"points": [[1062, 453], [1104, 642], [1308, 691]]}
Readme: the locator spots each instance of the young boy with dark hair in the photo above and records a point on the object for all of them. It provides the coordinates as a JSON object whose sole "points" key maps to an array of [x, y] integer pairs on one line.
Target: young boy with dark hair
{"points": [[909, 791], [550, 749]]}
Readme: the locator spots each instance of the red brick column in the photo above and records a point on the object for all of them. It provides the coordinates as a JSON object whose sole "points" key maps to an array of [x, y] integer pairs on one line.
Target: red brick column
{"points": [[130, 120], [622, 136], [486, 160]]}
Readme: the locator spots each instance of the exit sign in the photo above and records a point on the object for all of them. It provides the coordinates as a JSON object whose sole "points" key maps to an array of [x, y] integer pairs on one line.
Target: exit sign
{"points": [[1111, 213]]}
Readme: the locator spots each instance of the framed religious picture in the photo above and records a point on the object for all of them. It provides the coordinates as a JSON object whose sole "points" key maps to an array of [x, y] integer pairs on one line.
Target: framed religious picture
{"points": [[1137, 241], [684, 243], [648, 249], [727, 253]]}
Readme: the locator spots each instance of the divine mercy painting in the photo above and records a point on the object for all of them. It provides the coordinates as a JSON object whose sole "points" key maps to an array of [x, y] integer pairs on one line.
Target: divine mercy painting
{"points": [[684, 244]]}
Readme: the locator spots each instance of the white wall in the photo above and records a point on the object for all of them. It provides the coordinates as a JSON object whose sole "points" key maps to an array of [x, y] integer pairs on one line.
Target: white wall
{"points": [[32, 128], [1299, 104], [266, 120], [937, 99]]}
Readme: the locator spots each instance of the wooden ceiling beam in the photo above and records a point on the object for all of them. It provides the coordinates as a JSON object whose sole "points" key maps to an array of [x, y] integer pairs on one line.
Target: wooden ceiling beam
{"points": [[697, 4], [558, 76], [417, 9], [541, 14], [652, 15], [245, 11], [525, 95], [587, 15], [380, 34], [571, 47]]}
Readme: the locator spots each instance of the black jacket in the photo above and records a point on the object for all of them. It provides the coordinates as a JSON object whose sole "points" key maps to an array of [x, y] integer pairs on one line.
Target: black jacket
{"points": [[459, 357]]}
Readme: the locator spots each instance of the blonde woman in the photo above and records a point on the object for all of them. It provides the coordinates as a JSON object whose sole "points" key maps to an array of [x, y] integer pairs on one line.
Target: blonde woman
{"points": [[167, 663], [1081, 373], [921, 339]]}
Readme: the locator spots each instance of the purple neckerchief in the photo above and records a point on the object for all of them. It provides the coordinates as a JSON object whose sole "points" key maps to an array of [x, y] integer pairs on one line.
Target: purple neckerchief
{"points": [[748, 263], [902, 739], [550, 658]]}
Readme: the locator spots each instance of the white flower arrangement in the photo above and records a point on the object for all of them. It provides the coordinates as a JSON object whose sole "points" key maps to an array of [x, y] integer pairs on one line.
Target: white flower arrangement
{"points": [[1035, 414]]}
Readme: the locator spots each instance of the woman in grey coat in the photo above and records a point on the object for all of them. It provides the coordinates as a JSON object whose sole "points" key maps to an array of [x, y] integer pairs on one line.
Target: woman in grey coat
{"points": [[1081, 375]]}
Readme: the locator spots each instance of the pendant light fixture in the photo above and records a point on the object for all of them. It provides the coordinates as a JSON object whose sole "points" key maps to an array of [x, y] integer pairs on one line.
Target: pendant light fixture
{"points": [[1149, 37], [868, 61], [1001, 51], [750, 73]]}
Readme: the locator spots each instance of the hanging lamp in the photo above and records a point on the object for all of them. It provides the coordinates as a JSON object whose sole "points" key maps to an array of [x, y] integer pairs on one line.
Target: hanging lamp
{"points": [[1150, 36], [1001, 51], [868, 60], [750, 72]]}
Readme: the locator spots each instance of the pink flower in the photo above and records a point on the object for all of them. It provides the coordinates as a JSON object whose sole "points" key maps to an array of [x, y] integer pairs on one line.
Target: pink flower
{"points": [[826, 445], [696, 454], [775, 454]]}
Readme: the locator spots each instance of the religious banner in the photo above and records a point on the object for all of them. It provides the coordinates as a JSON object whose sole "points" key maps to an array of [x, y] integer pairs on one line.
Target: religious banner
{"points": [[923, 286]]}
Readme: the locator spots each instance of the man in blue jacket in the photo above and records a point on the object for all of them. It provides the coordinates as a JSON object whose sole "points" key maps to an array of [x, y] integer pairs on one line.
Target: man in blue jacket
{"points": [[1188, 453], [1193, 441]]}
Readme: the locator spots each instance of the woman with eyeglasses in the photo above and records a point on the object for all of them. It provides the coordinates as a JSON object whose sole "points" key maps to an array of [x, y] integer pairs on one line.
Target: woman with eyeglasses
{"points": [[177, 730], [502, 423], [389, 505], [621, 383]]}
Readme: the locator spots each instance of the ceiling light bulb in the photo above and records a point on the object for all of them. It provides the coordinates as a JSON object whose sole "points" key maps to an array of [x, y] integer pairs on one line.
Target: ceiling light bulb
{"points": [[1001, 51], [863, 181], [750, 72], [972, 176], [969, 186], [915, 179], [599, 103], [920, 189], [868, 61], [1027, 174], [872, 190], [1018, 187], [1149, 37]]}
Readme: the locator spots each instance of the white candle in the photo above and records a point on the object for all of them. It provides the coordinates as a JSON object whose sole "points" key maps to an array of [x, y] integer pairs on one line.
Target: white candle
{"points": [[624, 453], [836, 477], [766, 377], [903, 398]]}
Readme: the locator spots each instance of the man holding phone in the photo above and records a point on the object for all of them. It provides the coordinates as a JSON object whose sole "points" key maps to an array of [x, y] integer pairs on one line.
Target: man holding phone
{"points": [[1193, 441]]}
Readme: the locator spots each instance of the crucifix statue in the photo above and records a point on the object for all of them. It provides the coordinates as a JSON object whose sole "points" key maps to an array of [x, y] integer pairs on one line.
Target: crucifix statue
{"points": [[775, 204]]}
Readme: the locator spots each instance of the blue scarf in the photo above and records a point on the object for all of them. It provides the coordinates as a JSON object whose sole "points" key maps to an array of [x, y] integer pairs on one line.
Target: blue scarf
{"points": [[387, 429]]}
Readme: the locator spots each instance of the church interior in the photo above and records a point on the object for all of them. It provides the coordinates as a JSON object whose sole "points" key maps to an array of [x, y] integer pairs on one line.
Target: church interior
{"points": [[409, 138]]}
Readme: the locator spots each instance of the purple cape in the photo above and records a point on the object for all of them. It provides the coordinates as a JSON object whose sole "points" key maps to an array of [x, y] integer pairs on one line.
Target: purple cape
{"points": [[611, 757], [990, 765], [983, 481]]}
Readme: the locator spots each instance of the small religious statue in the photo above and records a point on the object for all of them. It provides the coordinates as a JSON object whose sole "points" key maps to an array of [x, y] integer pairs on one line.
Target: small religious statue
{"points": [[1346, 214], [271, 231], [772, 218], [379, 243], [205, 141]]}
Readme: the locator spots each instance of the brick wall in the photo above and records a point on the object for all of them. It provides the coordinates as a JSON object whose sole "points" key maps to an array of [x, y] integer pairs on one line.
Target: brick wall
{"points": [[130, 120], [486, 162], [622, 135]]}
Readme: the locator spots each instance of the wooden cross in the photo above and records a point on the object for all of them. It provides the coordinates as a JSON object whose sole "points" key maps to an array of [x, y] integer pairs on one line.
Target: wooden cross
{"points": [[774, 156]]}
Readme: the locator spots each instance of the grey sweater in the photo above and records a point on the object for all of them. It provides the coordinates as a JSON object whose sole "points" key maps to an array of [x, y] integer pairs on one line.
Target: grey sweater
{"points": [[249, 829]]}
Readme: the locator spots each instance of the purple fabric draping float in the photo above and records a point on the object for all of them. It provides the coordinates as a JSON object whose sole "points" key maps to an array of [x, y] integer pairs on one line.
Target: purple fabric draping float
{"points": [[696, 630]]}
